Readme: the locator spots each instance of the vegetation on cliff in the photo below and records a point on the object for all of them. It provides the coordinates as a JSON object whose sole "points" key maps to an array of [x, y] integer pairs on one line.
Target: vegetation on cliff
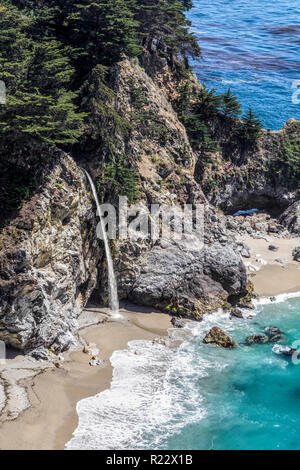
{"points": [[55, 60]]}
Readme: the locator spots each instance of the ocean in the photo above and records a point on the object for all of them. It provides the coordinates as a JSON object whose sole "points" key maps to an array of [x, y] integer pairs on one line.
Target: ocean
{"points": [[200, 397], [253, 48]]}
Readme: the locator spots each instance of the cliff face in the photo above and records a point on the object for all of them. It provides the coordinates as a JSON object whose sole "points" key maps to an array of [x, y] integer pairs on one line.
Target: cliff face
{"points": [[266, 177], [48, 260]]}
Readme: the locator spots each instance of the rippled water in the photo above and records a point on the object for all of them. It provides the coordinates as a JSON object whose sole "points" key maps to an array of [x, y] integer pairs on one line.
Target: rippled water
{"points": [[199, 396], [253, 48]]}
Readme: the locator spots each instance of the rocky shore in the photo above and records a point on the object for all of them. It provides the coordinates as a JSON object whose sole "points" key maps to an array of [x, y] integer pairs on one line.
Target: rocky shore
{"points": [[52, 265]]}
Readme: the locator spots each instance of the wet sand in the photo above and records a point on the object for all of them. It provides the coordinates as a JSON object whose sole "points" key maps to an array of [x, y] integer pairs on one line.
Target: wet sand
{"points": [[52, 418]]}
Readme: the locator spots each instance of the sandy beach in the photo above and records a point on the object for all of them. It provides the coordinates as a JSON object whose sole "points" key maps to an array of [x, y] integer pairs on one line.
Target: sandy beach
{"points": [[277, 272], [51, 419]]}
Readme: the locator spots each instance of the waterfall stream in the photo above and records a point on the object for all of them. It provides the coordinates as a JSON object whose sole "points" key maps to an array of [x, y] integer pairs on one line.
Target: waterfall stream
{"points": [[112, 283]]}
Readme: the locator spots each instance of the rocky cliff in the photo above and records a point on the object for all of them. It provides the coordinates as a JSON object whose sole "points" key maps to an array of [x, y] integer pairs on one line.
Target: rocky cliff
{"points": [[50, 259], [265, 176]]}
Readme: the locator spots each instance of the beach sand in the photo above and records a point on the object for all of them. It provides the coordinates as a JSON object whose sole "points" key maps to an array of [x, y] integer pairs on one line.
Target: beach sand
{"points": [[52, 394], [274, 277], [52, 418]]}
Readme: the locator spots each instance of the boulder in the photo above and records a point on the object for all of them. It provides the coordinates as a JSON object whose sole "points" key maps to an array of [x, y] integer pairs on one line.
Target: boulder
{"points": [[236, 312], [182, 281], [296, 254], [91, 349], [273, 332], [217, 337], [273, 248], [96, 361], [286, 351], [257, 339], [178, 322]]}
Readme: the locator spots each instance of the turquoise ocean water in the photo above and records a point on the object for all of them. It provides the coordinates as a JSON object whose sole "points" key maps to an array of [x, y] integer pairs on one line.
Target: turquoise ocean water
{"points": [[200, 396], [253, 48]]}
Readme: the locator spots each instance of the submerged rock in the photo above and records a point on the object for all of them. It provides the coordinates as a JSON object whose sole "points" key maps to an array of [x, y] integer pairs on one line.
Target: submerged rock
{"points": [[257, 339], [219, 338], [274, 334], [283, 350]]}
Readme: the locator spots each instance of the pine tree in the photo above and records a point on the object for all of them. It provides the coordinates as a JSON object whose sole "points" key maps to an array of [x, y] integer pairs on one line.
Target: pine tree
{"points": [[208, 104], [103, 125], [164, 28], [249, 129], [122, 180], [102, 31], [230, 106], [39, 105]]}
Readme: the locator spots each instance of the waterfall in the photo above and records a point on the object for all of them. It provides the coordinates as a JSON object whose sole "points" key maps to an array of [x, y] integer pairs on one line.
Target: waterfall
{"points": [[112, 283]]}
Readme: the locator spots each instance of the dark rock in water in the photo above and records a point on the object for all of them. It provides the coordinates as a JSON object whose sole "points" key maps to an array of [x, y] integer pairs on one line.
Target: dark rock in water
{"points": [[274, 334], [296, 254], [273, 330], [273, 248], [273, 299], [283, 350], [257, 339], [217, 337], [178, 322], [237, 313]]}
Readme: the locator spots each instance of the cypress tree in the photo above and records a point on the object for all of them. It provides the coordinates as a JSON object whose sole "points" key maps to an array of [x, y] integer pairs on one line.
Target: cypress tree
{"points": [[249, 129], [39, 105], [230, 106]]}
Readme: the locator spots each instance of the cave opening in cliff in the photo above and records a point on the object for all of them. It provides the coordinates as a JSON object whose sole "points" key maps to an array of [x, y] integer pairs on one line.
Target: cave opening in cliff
{"points": [[263, 203]]}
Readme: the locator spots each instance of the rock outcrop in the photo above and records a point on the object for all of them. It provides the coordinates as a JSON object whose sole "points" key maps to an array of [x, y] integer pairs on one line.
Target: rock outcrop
{"points": [[291, 218], [264, 177], [48, 261], [181, 281], [217, 337]]}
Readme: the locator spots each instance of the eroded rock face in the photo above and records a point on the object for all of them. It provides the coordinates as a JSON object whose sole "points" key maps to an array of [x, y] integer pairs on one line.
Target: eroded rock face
{"points": [[217, 337], [48, 262], [291, 218], [50, 254], [171, 277]]}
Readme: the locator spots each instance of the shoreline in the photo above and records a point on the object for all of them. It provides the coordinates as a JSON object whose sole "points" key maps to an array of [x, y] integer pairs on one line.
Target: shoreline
{"points": [[50, 417]]}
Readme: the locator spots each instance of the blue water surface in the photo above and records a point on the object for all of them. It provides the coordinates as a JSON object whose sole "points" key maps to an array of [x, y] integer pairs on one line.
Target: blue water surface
{"points": [[253, 48], [250, 395]]}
